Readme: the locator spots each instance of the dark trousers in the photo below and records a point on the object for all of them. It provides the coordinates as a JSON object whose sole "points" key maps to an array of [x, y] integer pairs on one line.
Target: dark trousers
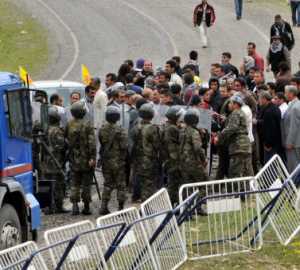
{"points": [[238, 7], [295, 9]]}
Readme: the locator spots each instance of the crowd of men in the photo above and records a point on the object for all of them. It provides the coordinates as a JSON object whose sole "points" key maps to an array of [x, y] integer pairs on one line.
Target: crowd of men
{"points": [[141, 126]]}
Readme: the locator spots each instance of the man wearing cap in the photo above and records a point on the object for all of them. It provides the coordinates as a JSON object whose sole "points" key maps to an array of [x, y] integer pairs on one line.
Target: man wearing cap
{"points": [[283, 29], [269, 126], [290, 128], [235, 137]]}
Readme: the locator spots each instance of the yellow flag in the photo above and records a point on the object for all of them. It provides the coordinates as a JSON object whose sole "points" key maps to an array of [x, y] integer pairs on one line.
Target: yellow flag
{"points": [[85, 75], [24, 75]]}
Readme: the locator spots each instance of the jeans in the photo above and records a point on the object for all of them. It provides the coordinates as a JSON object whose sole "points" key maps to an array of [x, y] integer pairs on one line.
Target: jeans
{"points": [[295, 8], [238, 7]]}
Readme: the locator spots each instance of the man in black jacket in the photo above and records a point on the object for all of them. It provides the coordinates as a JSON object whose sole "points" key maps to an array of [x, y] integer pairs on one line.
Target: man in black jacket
{"points": [[283, 29], [269, 126], [204, 17]]}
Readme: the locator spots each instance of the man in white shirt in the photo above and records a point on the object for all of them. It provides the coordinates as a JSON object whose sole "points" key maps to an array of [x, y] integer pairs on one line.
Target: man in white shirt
{"points": [[100, 104], [170, 68], [280, 101], [247, 111]]}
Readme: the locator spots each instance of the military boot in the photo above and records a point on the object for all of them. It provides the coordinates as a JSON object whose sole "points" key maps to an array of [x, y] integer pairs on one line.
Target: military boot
{"points": [[75, 209], [121, 206], [103, 210], [86, 209]]}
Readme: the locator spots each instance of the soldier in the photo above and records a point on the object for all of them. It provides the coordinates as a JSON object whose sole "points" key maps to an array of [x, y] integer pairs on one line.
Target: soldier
{"points": [[114, 146], [82, 155], [235, 137], [171, 153], [57, 146], [193, 160], [150, 152]]}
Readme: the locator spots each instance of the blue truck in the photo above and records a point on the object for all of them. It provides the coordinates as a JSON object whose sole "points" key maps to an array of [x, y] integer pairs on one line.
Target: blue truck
{"points": [[20, 212]]}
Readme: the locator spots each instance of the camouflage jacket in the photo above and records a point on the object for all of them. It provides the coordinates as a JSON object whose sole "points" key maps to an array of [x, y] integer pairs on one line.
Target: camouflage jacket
{"points": [[170, 145], [136, 152], [114, 145], [192, 152], [57, 145], [81, 139], [151, 142], [235, 134]]}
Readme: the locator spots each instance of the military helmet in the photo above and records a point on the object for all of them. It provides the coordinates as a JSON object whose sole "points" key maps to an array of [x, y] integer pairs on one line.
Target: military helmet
{"points": [[53, 115], [174, 113], [191, 117], [112, 114], [78, 109], [146, 111]]}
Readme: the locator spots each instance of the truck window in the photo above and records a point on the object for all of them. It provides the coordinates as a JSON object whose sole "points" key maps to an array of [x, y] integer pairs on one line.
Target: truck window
{"points": [[19, 114]]}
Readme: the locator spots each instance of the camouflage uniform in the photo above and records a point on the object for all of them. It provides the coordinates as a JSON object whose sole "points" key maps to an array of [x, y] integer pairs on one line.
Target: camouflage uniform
{"points": [[171, 147], [115, 138], [235, 137], [82, 148], [192, 156], [150, 163], [136, 155], [57, 146]]}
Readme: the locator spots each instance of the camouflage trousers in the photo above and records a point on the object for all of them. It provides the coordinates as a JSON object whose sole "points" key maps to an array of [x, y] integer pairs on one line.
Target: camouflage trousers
{"points": [[81, 186], [148, 178], [240, 165], [174, 183], [59, 187], [114, 178]]}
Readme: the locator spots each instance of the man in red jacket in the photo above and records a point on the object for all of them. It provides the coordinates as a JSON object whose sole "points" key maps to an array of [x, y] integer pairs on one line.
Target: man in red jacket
{"points": [[204, 17]]}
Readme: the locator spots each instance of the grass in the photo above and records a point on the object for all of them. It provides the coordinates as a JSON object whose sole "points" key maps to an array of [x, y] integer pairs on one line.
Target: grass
{"points": [[23, 41]]}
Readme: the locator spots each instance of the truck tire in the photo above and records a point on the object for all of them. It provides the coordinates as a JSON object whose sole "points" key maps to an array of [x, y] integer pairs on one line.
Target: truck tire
{"points": [[10, 227]]}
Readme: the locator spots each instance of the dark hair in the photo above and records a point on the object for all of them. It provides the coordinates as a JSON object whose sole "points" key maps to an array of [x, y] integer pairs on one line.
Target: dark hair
{"points": [[193, 55], [262, 87], [280, 95], [112, 76], [88, 88], [241, 80], [277, 16], [195, 100], [283, 66], [175, 88], [172, 63], [123, 71], [166, 92], [211, 80], [188, 78], [254, 69], [162, 87], [75, 93], [227, 54], [129, 63], [272, 85], [163, 73], [189, 66], [140, 102], [96, 80], [216, 65], [252, 44], [177, 59], [53, 98], [296, 80]]}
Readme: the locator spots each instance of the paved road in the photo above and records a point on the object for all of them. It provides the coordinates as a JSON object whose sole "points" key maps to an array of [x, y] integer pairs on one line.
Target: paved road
{"points": [[102, 33]]}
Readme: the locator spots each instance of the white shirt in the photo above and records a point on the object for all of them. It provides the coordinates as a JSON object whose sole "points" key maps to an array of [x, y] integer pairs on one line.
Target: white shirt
{"points": [[175, 79], [247, 111], [63, 116], [100, 103], [283, 107]]}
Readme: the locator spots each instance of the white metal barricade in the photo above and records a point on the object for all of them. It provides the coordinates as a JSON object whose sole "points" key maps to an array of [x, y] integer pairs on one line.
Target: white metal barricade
{"points": [[85, 254], [13, 255], [225, 219], [169, 247], [283, 214], [133, 251]]}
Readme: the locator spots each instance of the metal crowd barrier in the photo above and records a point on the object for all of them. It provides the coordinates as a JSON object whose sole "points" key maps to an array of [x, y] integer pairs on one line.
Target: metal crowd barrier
{"points": [[282, 213], [225, 220]]}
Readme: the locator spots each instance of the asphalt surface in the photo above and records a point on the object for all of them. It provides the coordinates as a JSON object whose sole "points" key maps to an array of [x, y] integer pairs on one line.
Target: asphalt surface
{"points": [[101, 34]]}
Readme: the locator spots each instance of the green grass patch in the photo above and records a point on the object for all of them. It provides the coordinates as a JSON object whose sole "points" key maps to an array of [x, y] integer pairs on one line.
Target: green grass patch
{"points": [[23, 41]]}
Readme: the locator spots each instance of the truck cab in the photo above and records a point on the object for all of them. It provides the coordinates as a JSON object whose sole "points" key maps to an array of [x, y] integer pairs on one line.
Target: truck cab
{"points": [[19, 209]]}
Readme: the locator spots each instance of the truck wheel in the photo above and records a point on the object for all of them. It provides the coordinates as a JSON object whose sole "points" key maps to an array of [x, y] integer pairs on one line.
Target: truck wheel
{"points": [[10, 227]]}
